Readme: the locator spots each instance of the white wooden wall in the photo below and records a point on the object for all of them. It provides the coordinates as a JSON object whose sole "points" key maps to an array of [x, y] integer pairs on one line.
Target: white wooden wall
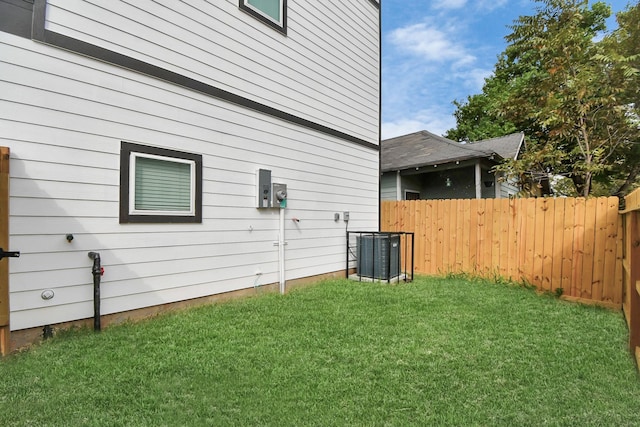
{"points": [[325, 70], [64, 116]]}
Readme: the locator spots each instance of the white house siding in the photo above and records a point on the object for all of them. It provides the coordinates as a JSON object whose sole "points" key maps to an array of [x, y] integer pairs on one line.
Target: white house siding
{"points": [[325, 69], [64, 116], [389, 186], [508, 189]]}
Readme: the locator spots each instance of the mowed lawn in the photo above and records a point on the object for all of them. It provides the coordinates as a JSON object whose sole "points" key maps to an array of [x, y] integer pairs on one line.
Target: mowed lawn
{"points": [[438, 351]]}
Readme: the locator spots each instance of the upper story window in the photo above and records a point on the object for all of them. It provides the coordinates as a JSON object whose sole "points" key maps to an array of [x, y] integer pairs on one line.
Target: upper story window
{"points": [[271, 12]]}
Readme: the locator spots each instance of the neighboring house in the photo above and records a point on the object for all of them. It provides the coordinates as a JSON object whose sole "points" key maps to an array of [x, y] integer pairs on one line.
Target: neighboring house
{"points": [[137, 129], [422, 165]]}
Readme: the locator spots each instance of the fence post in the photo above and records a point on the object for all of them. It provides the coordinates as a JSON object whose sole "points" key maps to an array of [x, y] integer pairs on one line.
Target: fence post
{"points": [[633, 264], [5, 331]]}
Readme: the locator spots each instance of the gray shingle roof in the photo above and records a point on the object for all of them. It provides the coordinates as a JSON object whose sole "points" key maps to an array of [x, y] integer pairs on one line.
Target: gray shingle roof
{"points": [[506, 147], [425, 149]]}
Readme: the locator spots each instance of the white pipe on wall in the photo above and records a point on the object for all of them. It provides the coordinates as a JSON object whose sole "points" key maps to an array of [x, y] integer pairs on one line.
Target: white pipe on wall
{"points": [[281, 251]]}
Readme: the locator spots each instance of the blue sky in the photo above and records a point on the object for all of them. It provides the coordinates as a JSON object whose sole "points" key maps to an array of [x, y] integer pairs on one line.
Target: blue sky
{"points": [[436, 51]]}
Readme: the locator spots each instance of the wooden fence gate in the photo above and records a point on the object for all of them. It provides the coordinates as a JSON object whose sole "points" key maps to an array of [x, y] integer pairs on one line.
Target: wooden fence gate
{"points": [[5, 346]]}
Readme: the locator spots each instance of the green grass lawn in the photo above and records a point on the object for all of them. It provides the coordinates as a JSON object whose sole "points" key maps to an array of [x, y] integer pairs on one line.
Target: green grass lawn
{"points": [[433, 352]]}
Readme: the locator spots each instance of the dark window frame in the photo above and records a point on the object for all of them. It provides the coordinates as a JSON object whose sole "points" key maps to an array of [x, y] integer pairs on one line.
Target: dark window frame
{"points": [[412, 192], [281, 27], [126, 149]]}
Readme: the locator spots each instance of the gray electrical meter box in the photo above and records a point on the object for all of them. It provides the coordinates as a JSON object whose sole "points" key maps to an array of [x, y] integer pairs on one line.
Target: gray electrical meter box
{"points": [[264, 189], [279, 193]]}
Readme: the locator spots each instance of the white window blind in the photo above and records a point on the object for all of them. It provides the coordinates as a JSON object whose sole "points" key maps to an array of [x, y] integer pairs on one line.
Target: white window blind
{"points": [[162, 185]]}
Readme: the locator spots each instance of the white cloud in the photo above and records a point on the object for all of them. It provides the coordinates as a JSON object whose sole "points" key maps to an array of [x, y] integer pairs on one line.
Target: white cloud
{"points": [[435, 120], [427, 65], [479, 5], [449, 4], [490, 5], [430, 43], [473, 79]]}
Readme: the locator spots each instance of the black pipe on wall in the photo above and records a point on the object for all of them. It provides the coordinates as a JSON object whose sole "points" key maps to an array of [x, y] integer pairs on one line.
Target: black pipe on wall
{"points": [[96, 270]]}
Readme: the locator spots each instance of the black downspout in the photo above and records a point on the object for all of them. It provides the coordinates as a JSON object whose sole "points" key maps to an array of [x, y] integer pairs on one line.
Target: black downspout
{"points": [[97, 273]]}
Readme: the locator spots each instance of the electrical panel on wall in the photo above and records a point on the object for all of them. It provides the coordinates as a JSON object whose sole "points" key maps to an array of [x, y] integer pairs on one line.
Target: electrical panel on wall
{"points": [[264, 197], [269, 195]]}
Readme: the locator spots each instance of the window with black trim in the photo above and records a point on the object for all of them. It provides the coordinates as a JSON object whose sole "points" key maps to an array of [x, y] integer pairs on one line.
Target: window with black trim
{"points": [[411, 195], [159, 185], [271, 12]]}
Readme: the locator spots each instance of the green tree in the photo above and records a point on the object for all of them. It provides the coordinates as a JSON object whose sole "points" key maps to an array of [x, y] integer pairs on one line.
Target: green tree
{"points": [[478, 118], [621, 51], [572, 96]]}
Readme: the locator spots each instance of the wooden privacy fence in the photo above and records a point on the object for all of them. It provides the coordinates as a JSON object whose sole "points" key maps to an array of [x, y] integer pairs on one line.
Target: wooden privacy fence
{"points": [[570, 243], [631, 269]]}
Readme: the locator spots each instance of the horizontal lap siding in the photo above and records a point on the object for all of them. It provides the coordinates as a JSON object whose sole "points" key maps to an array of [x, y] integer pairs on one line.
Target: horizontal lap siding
{"points": [[64, 117], [325, 70], [388, 189]]}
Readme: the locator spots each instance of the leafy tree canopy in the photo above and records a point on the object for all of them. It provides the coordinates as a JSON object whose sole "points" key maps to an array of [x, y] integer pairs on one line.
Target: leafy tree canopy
{"points": [[575, 98]]}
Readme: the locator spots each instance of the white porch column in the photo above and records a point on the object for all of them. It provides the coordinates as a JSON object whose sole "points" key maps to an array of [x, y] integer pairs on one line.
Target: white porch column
{"points": [[478, 181]]}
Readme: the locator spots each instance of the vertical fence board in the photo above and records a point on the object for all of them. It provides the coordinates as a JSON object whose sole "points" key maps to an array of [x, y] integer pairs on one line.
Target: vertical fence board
{"points": [[409, 220], [610, 255], [523, 236], [453, 232], [460, 241], [558, 244], [626, 268], [473, 235], [489, 247], [403, 217], [503, 239], [482, 220], [466, 236], [496, 243], [578, 247], [445, 238], [538, 247], [385, 216], [419, 236], [530, 227], [436, 257], [512, 247], [567, 246], [439, 229], [448, 225], [600, 239], [429, 243], [411, 216], [619, 271], [547, 246], [588, 260]]}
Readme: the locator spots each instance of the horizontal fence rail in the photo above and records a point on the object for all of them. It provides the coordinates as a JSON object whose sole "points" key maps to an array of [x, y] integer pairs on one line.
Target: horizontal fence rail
{"points": [[571, 246]]}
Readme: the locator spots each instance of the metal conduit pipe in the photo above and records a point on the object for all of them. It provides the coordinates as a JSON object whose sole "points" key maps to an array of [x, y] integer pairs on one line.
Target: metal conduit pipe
{"points": [[281, 244], [97, 272]]}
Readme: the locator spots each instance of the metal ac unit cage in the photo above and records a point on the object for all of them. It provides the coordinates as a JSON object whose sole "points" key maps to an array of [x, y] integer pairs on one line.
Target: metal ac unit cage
{"points": [[378, 256]]}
